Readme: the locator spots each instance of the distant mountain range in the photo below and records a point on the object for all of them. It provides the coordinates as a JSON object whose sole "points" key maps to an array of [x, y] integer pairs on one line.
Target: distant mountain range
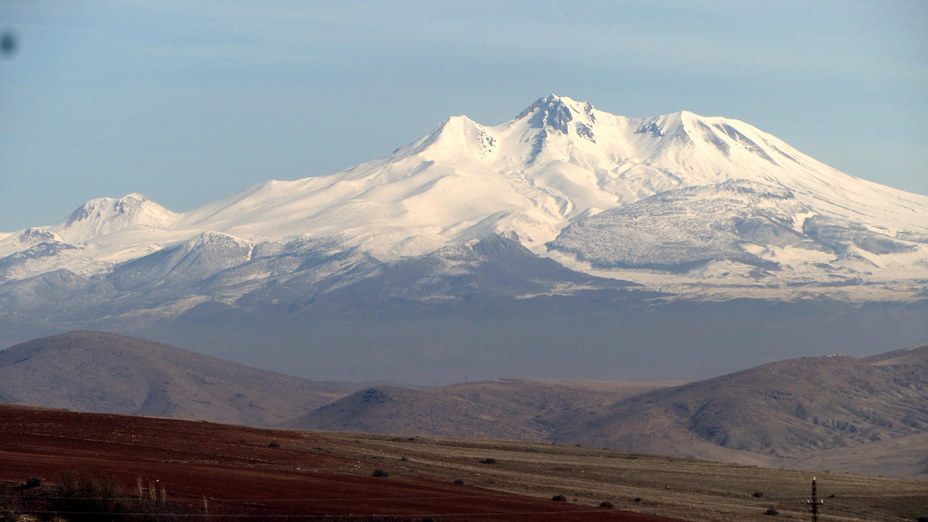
{"points": [[832, 412], [481, 249]]}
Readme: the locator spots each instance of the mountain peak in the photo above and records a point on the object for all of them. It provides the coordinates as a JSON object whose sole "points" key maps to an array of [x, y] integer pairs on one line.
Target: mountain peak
{"points": [[556, 112], [106, 215], [125, 205], [456, 134], [457, 124]]}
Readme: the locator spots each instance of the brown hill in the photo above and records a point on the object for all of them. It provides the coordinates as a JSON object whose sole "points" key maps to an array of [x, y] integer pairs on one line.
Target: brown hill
{"points": [[911, 364], [102, 372], [777, 412], [515, 409], [904, 457], [831, 412], [834, 412]]}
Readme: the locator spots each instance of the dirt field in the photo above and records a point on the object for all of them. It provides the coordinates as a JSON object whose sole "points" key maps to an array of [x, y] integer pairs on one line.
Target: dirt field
{"points": [[280, 475], [275, 474]]}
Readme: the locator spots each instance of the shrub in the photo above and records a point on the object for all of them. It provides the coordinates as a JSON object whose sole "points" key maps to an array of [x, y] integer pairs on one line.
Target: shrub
{"points": [[459, 482], [606, 504], [771, 511], [83, 496], [488, 461], [380, 473], [31, 482], [757, 494], [559, 498]]}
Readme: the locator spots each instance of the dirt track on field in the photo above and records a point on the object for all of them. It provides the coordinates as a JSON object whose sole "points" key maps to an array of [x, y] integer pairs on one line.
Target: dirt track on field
{"points": [[254, 471]]}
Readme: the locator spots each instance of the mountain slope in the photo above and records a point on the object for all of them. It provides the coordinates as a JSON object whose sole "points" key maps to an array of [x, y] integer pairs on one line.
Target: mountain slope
{"points": [[101, 372], [783, 409], [739, 232], [903, 457], [514, 409], [558, 161], [812, 412]]}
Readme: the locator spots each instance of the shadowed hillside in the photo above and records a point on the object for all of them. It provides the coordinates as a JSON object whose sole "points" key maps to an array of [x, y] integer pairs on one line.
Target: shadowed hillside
{"points": [[831, 412], [101, 372], [784, 409], [517, 409]]}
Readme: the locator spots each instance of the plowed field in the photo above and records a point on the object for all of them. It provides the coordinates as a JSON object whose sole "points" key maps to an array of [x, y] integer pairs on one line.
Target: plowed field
{"points": [[206, 468]]}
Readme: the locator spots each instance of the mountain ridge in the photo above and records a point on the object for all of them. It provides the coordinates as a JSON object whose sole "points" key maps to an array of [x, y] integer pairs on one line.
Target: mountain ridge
{"points": [[865, 415], [557, 163]]}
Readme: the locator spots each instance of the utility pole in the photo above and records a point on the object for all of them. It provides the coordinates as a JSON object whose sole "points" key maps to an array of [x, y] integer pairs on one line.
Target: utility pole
{"points": [[815, 502]]}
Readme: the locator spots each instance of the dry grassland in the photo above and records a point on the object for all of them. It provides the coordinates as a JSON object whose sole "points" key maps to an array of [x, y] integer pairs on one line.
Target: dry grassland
{"points": [[692, 490]]}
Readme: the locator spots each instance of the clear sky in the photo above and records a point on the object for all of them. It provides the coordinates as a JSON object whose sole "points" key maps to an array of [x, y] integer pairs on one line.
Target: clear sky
{"points": [[187, 102]]}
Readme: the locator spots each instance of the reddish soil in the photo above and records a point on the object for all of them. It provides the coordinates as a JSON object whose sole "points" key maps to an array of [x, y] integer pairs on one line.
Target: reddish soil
{"points": [[262, 472]]}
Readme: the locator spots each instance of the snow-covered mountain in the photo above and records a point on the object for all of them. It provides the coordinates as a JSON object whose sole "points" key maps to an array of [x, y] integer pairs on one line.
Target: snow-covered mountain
{"points": [[670, 247], [680, 203], [99, 234], [558, 161], [103, 216]]}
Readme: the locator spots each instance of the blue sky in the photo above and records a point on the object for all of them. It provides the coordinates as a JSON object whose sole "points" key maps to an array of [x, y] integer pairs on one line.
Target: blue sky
{"points": [[187, 102]]}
